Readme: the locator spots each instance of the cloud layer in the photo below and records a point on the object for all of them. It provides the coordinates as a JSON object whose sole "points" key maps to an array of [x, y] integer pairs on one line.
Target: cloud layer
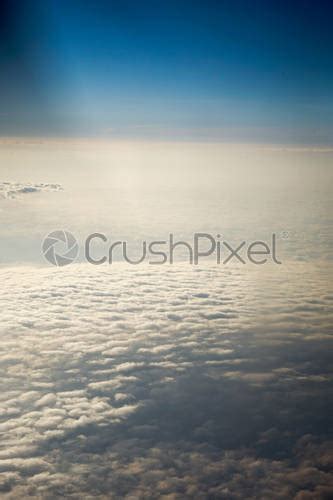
{"points": [[173, 382]]}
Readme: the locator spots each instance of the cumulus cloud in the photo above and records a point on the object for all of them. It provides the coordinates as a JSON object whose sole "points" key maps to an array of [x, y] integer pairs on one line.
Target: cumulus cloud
{"points": [[10, 190], [198, 389]]}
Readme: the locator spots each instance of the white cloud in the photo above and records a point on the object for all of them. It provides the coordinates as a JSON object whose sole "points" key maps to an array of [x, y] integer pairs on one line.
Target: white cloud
{"points": [[137, 403], [14, 189]]}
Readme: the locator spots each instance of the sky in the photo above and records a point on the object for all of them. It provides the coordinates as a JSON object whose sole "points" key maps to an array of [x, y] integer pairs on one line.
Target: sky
{"points": [[176, 381], [241, 71]]}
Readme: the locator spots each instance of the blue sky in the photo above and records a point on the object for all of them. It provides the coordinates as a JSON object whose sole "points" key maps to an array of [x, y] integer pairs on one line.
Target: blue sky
{"points": [[252, 71]]}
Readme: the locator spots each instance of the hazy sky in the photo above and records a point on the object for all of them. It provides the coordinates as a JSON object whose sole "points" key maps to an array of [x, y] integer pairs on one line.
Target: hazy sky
{"points": [[243, 70]]}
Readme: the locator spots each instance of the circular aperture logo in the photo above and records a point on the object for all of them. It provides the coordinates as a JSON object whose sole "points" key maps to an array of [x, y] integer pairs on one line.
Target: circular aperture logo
{"points": [[60, 248]]}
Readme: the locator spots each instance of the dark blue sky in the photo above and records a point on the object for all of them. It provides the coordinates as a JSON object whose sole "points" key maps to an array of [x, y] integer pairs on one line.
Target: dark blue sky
{"points": [[232, 70]]}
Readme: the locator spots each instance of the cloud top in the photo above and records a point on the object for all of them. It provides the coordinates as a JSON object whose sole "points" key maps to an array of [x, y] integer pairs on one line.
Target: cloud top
{"points": [[135, 380], [10, 190]]}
